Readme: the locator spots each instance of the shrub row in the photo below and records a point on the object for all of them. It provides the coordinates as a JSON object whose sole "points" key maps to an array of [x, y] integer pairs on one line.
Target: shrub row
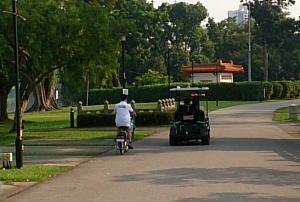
{"points": [[139, 94], [223, 91], [142, 119]]}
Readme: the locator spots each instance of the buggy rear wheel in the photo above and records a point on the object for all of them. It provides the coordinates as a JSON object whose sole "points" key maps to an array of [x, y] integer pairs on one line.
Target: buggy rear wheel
{"points": [[172, 140], [206, 140]]}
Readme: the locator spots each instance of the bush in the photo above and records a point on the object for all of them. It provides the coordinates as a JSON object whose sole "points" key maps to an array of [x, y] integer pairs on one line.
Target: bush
{"points": [[152, 93], [142, 119], [288, 89], [95, 120], [268, 86], [277, 90], [153, 118], [296, 89], [239, 90], [152, 77]]}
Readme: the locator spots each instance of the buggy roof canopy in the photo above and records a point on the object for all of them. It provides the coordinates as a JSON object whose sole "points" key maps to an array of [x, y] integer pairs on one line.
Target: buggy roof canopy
{"points": [[218, 67], [179, 89]]}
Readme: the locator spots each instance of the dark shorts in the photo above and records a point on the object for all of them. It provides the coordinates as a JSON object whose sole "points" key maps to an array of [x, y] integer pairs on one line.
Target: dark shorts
{"points": [[124, 128]]}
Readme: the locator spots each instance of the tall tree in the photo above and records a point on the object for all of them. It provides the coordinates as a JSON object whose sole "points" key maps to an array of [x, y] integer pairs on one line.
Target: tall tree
{"points": [[58, 36], [6, 58], [270, 18], [188, 38]]}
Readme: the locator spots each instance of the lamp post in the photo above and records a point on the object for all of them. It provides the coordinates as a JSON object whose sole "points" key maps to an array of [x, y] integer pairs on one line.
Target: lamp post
{"points": [[217, 88], [249, 40], [168, 67], [18, 143], [123, 40]]}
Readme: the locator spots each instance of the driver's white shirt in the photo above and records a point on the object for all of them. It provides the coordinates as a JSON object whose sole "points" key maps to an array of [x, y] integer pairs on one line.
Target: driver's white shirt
{"points": [[122, 110]]}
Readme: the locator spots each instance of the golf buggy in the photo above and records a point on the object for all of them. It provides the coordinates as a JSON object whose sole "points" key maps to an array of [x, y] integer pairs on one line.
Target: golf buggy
{"points": [[190, 121]]}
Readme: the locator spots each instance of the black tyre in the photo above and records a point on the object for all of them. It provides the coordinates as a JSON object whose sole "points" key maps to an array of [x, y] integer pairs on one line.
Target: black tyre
{"points": [[206, 140], [121, 148], [172, 140]]}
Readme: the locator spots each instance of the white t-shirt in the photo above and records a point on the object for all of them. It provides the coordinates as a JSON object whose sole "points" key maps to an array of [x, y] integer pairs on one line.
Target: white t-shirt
{"points": [[122, 110]]}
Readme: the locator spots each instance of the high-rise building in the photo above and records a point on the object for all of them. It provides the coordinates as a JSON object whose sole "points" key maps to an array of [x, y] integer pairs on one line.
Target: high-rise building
{"points": [[241, 15]]}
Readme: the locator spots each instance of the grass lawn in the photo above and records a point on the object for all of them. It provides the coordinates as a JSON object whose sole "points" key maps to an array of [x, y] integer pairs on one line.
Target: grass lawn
{"points": [[282, 115], [28, 173]]}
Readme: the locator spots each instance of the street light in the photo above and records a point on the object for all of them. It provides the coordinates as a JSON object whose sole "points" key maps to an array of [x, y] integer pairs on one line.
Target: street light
{"points": [[217, 87], [123, 40], [169, 44], [249, 40], [18, 142]]}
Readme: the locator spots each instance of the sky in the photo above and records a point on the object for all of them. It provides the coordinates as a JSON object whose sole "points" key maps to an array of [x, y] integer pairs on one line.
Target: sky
{"points": [[218, 8]]}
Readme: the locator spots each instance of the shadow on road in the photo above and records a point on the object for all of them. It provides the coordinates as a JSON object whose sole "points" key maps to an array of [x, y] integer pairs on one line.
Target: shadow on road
{"points": [[187, 176], [288, 149], [229, 197]]}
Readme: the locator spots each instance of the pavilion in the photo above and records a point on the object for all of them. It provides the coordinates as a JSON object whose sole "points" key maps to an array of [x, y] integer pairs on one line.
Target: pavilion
{"points": [[215, 72]]}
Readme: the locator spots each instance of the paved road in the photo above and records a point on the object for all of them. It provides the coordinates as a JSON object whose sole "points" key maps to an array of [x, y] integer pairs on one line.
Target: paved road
{"points": [[249, 159]]}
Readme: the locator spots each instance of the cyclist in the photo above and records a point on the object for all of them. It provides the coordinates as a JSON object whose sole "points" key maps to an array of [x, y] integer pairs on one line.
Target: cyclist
{"points": [[124, 112]]}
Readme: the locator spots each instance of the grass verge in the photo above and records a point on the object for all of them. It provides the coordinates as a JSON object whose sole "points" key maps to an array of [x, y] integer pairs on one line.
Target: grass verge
{"points": [[31, 173], [282, 115]]}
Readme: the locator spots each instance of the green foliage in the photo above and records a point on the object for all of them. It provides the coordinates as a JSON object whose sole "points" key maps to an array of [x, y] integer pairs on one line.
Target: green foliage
{"points": [[150, 93], [151, 77], [288, 89], [154, 118], [95, 120], [277, 90], [282, 115], [63, 36], [223, 91], [142, 119]]}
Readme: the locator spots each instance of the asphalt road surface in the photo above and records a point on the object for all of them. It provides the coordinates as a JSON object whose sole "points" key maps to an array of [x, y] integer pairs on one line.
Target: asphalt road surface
{"points": [[249, 159]]}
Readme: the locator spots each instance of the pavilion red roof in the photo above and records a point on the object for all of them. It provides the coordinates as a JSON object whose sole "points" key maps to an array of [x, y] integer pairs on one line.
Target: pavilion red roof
{"points": [[218, 67]]}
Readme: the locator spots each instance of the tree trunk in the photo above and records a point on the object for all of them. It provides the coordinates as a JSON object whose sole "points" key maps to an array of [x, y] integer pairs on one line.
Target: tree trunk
{"points": [[116, 80], [50, 99], [3, 105], [44, 97], [266, 63], [25, 91]]}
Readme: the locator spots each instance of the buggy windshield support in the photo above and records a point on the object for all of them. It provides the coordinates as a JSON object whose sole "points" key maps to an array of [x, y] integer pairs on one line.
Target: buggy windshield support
{"points": [[199, 92]]}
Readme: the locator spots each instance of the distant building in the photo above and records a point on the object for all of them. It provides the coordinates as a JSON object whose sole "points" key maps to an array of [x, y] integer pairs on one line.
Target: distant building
{"points": [[214, 72], [241, 15]]}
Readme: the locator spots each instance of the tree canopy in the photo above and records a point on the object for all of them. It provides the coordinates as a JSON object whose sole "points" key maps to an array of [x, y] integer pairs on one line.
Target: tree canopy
{"points": [[79, 43]]}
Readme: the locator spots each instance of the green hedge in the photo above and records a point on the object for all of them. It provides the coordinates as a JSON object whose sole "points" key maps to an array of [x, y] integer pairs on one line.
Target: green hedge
{"points": [[239, 90], [277, 90], [142, 119], [290, 89], [223, 91], [154, 118], [95, 120], [139, 94]]}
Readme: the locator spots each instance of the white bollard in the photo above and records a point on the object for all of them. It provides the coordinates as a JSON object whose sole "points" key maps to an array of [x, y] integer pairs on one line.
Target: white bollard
{"points": [[7, 159]]}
